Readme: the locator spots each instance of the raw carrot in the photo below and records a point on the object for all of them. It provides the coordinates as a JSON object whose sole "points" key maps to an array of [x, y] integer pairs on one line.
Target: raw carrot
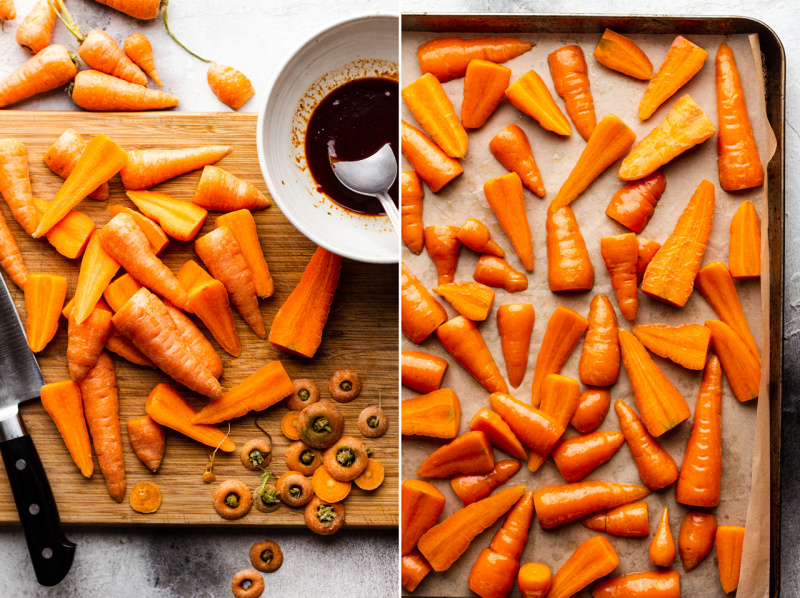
{"points": [[559, 399], [471, 488], [662, 547], [670, 276], [222, 255], [421, 505], [631, 520], [591, 560], [656, 467], [535, 428], [15, 184], [571, 80], [62, 401], [116, 343], [191, 275], [464, 341], [181, 220], [621, 256], [52, 67], [243, 227], [495, 570], [569, 267], [443, 247], [428, 102], [149, 167], [448, 57], [515, 326], [372, 477], [599, 363], [101, 408], [63, 156], [530, 95], [231, 86], [498, 432], [101, 160], [647, 251], [194, 339], [427, 159], [156, 236], [484, 87], [120, 290], [634, 204], [534, 580], [650, 584], [137, 47], [730, 542], [741, 367], [71, 234], [98, 92], [166, 406], [329, 488], [7, 11], [411, 210], [85, 341], [504, 196], [145, 320], [209, 302], [686, 345], [421, 371], [260, 390], [475, 235], [36, 29], [436, 414], [138, 9], [147, 440], [557, 505], [420, 312], [513, 150], [696, 538], [621, 54], [44, 299], [472, 300], [494, 271], [579, 456], [593, 405], [10, 256], [220, 191], [469, 453], [413, 569], [564, 329], [744, 249]]}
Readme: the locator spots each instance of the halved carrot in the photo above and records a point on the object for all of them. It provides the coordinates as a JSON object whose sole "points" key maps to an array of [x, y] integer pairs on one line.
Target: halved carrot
{"points": [[741, 367], [221, 191], [85, 341], [448, 57], [15, 184], [621, 256], [156, 236], [498, 432], [530, 95], [328, 488], [564, 329], [475, 235], [559, 399], [44, 300], [569, 267], [443, 247], [470, 453], [421, 505], [485, 84], [436, 414], [96, 272], [243, 227], [52, 67], [504, 196], [148, 167], [428, 102], [634, 204], [99, 92], [571, 80], [427, 159], [209, 301], [744, 249], [579, 456], [464, 341], [683, 61], [63, 155], [656, 467], [621, 54], [181, 220], [599, 363], [515, 326], [192, 275], [11, 257], [647, 251], [513, 150], [686, 345], [421, 313], [421, 371], [631, 520], [411, 210], [591, 560], [472, 300], [535, 428], [494, 271], [730, 546], [372, 477], [62, 401], [120, 290]]}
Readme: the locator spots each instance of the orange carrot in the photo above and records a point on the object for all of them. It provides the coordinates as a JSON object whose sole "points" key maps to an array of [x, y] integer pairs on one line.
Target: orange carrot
{"points": [[494, 271], [559, 399], [656, 466], [569, 267], [484, 87], [513, 150], [413, 569], [147, 440], [85, 341], [260, 390], [98, 92], [101, 408], [428, 102], [684, 126], [557, 505], [686, 345], [621, 257], [148, 167], [475, 235], [741, 367], [11, 257], [530, 95], [220, 191], [7, 11], [472, 300], [231, 86], [592, 408], [436, 414], [730, 542], [744, 250], [116, 343], [469, 453], [137, 47], [194, 339], [44, 299], [120, 290], [515, 326], [71, 234], [63, 156], [156, 236], [166, 406], [15, 184], [591, 560], [564, 329], [209, 302], [599, 363], [661, 405], [634, 204], [52, 67], [465, 343], [243, 227], [534, 580], [62, 401], [421, 371], [650, 584], [36, 29], [579, 456], [145, 320], [191, 275], [448, 57], [571, 80], [621, 54], [608, 143], [445, 542], [494, 571], [696, 538], [498, 432], [411, 210], [535, 428], [427, 159], [222, 255], [420, 312], [647, 251], [631, 520], [504, 196], [422, 503], [443, 247], [138, 9], [683, 61], [670, 276], [471, 488], [180, 219], [662, 548]]}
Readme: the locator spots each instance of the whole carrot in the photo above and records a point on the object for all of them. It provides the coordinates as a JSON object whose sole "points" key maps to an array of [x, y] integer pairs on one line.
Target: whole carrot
{"points": [[631, 520], [571, 80], [696, 538], [471, 488], [557, 505], [464, 341], [448, 58], [15, 184], [513, 150], [221, 191], [600, 356], [515, 326], [569, 267], [36, 29], [411, 210], [504, 196], [656, 466], [443, 247], [662, 548], [138, 9], [99, 92], [621, 256], [230, 85], [137, 47], [52, 67], [11, 257]]}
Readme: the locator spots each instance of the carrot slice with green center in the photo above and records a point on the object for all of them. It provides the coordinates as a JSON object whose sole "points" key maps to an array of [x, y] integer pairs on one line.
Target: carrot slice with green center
{"points": [[472, 300], [436, 414], [464, 341], [530, 95], [571, 80], [744, 250], [634, 204], [564, 329], [621, 255], [62, 401], [686, 345], [44, 300], [447, 58], [621, 54], [428, 102], [485, 84], [513, 150], [504, 196], [569, 267], [181, 220], [148, 167]]}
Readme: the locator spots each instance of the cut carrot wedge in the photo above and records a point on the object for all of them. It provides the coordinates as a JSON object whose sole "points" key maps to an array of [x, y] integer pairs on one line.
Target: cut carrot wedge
{"points": [[428, 102], [647, 251], [209, 301], [198, 344], [634, 204], [498, 432], [530, 95], [730, 545], [591, 560], [686, 345], [564, 329], [421, 313], [741, 368], [427, 159], [472, 300], [436, 414], [120, 290], [181, 220], [464, 341], [559, 399], [422, 503], [744, 250], [192, 275], [421, 371], [475, 235], [97, 270], [621, 54], [470, 453], [485, 84], [62, 401], [411, 194], [535, 428], [11, 257], [579, 456], [328, 488], [569, 267], [63, 155], [494, 271], [155, 234], [513, 150], [243, 227], [504, 196], [116, 343], [44, 300], [149, 167], [447, 58], [220, 191], [683, 61], [571, 80], [71, 234], [564, 503]]}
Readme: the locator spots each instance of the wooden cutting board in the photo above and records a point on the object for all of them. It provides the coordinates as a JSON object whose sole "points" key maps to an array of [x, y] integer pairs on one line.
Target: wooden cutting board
{"points": [[361, 333]]}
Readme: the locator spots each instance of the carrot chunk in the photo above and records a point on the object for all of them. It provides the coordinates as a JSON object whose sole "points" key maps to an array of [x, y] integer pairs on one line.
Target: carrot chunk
{"points": [[621, 54], [683, 61]]}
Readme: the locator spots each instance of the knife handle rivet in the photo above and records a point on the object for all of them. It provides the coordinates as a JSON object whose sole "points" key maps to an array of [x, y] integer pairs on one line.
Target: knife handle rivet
{"points": [[21, 464], [47, 553], [33, 509]]}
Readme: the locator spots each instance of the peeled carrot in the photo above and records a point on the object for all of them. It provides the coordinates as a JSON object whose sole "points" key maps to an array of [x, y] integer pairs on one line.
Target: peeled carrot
{"points": [[443, 247], [662, 547], [647, 251], [504, 196], [209, 302], [428, 102], [599, 363], [634, 204], [559, 399], [101, 408], [11, 257], [411, 210], [36, 29], [730, 542], [15, 184], [469, 453], [742, 368], [475, 235], [243, 227], [656, 467], [686, 345], [696, 538], [421, 371], [63, 156], [62, 401], [220, 191], [484, 87], [427, 159], [744, 249], [44, 299], [530, 95], [137, 47], [579, 456], [498, 432], [536, 429], [52, 67], [564, 329], [571, 80], [230, 85], [222, 255], [683, 61], [149, 167], [98, 92], [650, 584], [116, 343], [421, 505], [631, 520], [534, 580], [591, 560], [515, 326], [436, 414], [181, 220], [448, 57], [85, 341], [471, 488], [156, 236], [621, 256], [138, 9], [464, 341], [70, 236], [472, 300], [593, 405], [120, 290], [148, 441], [194, 339], [421, 313], [191, 275], [557, 505], [513, 150], [569, 267], [494, 271], [413, 569], [623, 55]]}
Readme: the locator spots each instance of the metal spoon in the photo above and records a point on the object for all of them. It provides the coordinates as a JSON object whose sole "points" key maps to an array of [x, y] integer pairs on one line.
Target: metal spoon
{"points": [[371, 176]]}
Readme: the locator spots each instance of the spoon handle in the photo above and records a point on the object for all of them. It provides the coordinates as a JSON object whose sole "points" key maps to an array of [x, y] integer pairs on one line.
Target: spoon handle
{"points": [[391, 210]]}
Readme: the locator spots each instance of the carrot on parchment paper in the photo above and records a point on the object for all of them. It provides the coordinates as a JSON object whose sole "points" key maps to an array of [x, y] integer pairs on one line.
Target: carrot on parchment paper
{"points": [[564, 329], [448, 57], [36, 29], [621, 54], [443, 247], [561, 504], [571, 80], [569, 267], [427, 159], [559, 399], [421, 371], [485, 84], [631, 520], [513, 150], [428, 102], [530, 95], [579, 456], [463, 340], [469, 453], [495, 271], [471, 488], [505, 198], [411, 210], [147, 168], [52, 67], [421, 313], [591, 560], [515, 326], [599, 363], [662, 547]]}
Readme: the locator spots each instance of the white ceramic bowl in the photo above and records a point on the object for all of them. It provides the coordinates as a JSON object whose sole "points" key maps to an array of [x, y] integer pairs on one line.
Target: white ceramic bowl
{"points": [[356, 47]]}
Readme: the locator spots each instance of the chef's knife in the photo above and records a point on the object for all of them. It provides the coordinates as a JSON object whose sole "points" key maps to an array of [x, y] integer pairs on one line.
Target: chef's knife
{"points": [[20, 380]]}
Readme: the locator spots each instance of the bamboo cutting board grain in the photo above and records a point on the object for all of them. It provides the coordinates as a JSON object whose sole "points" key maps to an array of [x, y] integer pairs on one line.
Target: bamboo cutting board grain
{"points": [[361, 334]]}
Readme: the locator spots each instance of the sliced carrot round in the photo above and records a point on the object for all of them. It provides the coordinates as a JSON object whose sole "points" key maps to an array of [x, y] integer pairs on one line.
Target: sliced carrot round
{"points": [[289, 425], [145, 497], [372, 477], [328, 488]]}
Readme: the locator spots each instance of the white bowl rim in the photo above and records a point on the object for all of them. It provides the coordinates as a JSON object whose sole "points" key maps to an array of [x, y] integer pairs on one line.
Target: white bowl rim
{"points": [[262, 111]]}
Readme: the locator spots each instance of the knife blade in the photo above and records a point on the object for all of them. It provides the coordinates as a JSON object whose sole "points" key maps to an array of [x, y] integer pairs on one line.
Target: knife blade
{"points": [[20, 380]]}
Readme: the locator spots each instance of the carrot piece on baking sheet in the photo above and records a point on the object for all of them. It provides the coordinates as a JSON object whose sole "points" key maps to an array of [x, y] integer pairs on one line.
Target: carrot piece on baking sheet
{"points": [[559, 399], [411, 210], [421, 505], [471, 488], [571, 80], [436, 414], [620, 255], [513, 150], [631, 520], [469, 453], [504, 196], [421, 313], [427, 159], [686, 345], [656, 467], [443, 247], [634, 204], [591, 560], [515, 326], [530, 95], [599, 363], [428, 102], [744, 250], [448, 58], [421, 371], [649, 584], [621, 54], [472, 300], [564, 503], [495, 271], [485, 84], [463, 340], [569, 267]]}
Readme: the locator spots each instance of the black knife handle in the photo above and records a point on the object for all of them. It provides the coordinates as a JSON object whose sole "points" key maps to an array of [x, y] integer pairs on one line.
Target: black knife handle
{"points": [[51, 552]]}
